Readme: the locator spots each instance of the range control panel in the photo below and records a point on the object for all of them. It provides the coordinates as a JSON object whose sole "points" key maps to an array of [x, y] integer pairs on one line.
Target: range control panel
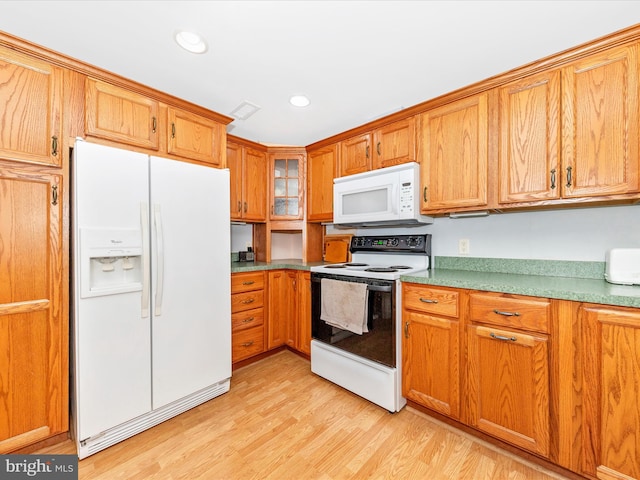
{"points": [[419, 244]]}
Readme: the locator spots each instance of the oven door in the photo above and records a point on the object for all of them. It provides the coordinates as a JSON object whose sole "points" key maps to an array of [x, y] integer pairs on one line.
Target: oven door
{"points": [[379, 343]]}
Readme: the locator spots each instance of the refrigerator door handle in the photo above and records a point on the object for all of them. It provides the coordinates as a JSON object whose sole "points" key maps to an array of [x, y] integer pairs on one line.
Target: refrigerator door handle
{"points": [[160, 260], [144, 222]]}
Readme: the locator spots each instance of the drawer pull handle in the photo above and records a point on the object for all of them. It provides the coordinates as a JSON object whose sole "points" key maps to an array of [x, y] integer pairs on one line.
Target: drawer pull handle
{"points": [[247, 344], [248, 320], [506, 314], [248, 300], [428, 300], [250, 282], [406, 330], [505, 339]]}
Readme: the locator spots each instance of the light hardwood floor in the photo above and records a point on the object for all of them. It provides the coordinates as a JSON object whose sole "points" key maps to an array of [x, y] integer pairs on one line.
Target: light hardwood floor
{"points": [[279, 421]]}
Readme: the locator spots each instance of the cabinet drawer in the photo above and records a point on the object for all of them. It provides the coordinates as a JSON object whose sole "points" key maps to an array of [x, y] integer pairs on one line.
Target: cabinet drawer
{"points": [[527, 313], [245, 282], [247, 301], [246, 343], [247, 319], [430, 300]]}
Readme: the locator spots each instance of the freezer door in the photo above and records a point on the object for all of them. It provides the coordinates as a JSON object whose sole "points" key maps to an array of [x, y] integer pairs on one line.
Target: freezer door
{"points": [[191, 278], [111, 338]]}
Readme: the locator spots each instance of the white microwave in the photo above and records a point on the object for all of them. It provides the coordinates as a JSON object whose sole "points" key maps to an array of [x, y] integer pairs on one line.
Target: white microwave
{"points": [[386, 197]]}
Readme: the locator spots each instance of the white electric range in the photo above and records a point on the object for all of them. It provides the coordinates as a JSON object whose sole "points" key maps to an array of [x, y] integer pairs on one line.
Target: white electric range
{"points": [[366, 359]]}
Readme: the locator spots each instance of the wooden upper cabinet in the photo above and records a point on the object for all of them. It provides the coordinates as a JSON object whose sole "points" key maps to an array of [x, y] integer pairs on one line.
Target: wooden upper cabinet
{"points": [[453, 143], [248, 176], [34, 332], [287, 185], [355, 155], [611, 376], [254, 186], [120, 115], [529, 131], [395, 143], [600, 124], [196, 137], [321, 170], [30, 109]]}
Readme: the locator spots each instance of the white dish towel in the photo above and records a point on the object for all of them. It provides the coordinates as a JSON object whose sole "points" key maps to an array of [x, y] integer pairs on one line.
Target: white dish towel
{"points": [[344, 305]]}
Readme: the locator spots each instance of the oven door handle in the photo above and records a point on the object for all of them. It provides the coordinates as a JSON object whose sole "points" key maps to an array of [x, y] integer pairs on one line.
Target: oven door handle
{"points": [[379, 288]]}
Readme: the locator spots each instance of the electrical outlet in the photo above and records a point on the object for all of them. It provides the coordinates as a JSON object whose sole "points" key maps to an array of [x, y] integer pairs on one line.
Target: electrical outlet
{"points": [[463, 246]]}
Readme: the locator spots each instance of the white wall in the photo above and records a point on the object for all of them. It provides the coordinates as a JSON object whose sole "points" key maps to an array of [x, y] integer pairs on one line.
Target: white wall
{"points": [[241, 235], [583, 234]]}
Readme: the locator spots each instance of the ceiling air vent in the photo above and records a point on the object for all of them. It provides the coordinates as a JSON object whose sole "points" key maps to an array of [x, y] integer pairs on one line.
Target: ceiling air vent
{"points": [[244, 110]]}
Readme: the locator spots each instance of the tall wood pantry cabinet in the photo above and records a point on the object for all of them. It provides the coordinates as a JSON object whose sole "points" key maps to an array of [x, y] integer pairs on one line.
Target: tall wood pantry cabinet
{"points": [[33, 329], [33, 324]]}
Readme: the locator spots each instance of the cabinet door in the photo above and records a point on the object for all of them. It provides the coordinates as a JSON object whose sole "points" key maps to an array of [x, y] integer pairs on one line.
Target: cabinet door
{"points": [[254, 187], [234, 162], [33, 336], [293, 325], [600, 124], [321, 170], [287, 180], [196, 138], [30, 109], [611, 388], [278, 318], [355, 155], [430, 362], [304, 312], [508, 380], [395, 144], [454, 143], [116, 114], [529, 132]]}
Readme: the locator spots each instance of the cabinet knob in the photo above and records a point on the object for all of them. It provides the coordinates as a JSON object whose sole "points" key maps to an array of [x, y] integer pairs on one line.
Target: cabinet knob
{"points": [[553, 179], [173, 130], [54, 146], [569, 170]]}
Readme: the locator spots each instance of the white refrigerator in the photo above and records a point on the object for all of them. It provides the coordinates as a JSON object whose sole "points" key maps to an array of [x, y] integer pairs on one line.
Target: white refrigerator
{"points": [[151, 294]]}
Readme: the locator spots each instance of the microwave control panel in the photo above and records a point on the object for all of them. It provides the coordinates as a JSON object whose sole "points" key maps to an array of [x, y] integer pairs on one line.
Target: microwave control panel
{"points": [[406, 197]]}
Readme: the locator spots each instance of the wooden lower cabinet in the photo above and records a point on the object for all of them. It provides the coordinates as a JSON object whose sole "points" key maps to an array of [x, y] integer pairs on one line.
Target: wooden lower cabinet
{"points": [[611, 392], [247, 315], [33, 334], [299, 325], [280, 285], [431, 348], [508, 386], [508, 369]]}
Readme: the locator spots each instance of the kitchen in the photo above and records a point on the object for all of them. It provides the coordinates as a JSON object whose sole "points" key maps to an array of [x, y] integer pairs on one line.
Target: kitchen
{"points": [[576, 234]]}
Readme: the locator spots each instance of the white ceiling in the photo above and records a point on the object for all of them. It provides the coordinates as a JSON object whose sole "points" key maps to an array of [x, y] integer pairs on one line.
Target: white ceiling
{"points": [[355, 60]]}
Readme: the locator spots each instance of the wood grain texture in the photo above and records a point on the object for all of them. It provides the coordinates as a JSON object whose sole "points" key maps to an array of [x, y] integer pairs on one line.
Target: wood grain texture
{"points": [[611, 412], [511, 311], [279, 421], [30, 109], [196, 137], [355, 155], [394, 144], [321, 169]]}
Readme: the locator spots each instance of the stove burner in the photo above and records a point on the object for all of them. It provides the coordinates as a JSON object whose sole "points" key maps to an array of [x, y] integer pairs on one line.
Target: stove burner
{"points": [[400, 267], [380, 269], [356, 264]]}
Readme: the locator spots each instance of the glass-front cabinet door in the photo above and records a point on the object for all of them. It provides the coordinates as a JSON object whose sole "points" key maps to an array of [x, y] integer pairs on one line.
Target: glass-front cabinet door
{"points": [[287, 177]]}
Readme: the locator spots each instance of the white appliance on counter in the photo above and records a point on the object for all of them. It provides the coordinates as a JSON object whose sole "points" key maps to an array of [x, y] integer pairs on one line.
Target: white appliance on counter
{"points": [[622, 266], [378, 198], [365, 361], [151, 291]]}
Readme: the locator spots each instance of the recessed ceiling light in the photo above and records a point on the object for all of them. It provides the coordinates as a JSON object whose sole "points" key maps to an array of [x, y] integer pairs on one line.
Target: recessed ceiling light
{"points": [[299, 101], [191, 42]]}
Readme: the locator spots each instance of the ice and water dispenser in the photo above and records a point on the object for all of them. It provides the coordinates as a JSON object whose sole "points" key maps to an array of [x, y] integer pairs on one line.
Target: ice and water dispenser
{"points": [[111, 261]]}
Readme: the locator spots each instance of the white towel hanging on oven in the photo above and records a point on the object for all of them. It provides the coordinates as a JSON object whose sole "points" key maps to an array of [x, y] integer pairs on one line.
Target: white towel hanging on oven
{"points": [[344, 305]]}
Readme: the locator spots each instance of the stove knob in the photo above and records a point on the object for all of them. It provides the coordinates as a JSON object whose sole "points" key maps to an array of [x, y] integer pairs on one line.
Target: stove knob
{"points": [[394, 242]]}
